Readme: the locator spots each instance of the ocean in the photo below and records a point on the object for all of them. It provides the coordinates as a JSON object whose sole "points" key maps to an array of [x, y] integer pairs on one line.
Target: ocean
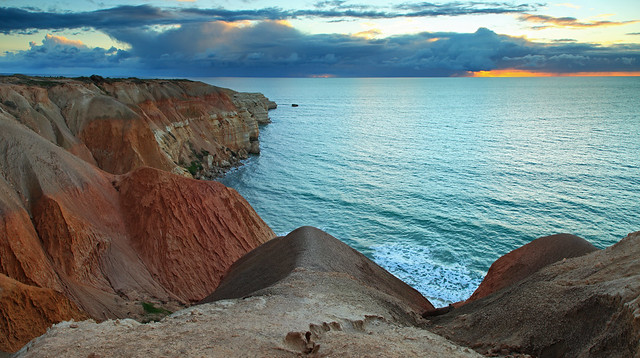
{"points": [[436, 178]]}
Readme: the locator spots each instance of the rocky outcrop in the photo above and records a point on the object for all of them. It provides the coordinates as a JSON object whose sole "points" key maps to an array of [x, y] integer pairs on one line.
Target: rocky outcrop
{"points": [[187, 232], [307, 294], [587, 306], [257, 104], [180, 126], [526, 260], [311, 250], [28, 311], [106, 242], [320, 298]]}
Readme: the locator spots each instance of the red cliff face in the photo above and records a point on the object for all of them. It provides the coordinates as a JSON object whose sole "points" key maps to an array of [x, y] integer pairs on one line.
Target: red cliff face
{"points": [[169, 216], [28, 311], [176, 125], [72, 232], [526, 260]]}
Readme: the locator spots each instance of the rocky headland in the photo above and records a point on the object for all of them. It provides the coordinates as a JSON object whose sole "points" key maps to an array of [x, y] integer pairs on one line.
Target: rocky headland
{"points": [[98, 208], [104, 230]]}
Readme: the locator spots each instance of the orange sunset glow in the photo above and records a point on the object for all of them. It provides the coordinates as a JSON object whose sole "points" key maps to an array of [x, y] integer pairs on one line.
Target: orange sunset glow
{"points": [[512, 72]]}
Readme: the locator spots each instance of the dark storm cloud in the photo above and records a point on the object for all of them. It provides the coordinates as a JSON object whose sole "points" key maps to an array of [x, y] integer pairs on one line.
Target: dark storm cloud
{"points": [[273, 49], [465, 8], [22, 19]]}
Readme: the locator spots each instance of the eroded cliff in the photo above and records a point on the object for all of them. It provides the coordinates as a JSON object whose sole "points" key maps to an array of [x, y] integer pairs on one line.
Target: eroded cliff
{"points": [[91, 237], [179, 126]]}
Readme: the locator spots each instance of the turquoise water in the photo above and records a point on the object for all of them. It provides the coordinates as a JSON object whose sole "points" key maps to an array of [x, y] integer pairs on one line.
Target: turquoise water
{"points": [[436, 178]]}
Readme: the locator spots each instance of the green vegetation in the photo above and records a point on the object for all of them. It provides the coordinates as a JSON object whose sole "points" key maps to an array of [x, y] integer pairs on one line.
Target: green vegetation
{"points": [[203, 154], [195, 167], [150, 308]]}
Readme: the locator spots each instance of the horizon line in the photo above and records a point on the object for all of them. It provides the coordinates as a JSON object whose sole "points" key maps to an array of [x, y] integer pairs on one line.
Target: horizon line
{"points": [[502, 73]]}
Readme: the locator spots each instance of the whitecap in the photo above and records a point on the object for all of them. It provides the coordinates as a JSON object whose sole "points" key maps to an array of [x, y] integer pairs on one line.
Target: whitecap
{"points": [[440, 282]]}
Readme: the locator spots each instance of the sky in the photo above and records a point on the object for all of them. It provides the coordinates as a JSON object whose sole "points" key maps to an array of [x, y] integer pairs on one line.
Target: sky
{"points": [[325, 38]]}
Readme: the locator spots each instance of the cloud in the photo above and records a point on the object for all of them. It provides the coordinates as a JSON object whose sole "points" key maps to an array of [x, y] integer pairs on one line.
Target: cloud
{"points": [[270, 48], [368, 34], [568, 22], [464, 8], [25, 19], [569, 5], [51, 40], [57, 54]]}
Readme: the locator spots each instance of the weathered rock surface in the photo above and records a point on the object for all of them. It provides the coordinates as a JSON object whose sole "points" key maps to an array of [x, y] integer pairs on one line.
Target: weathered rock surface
{"points": [[587, 306], [27, 307], [108, 242], [307, 294], [312, 250], [526, 260], [257, 104], [188, 232], [179, 126], [321, 299]]}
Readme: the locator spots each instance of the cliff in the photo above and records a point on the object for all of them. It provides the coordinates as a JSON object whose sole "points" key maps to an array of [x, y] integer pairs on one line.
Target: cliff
{"points": [[88, 238], [307, 294], [95, 222], [179, 126], [25, 307]]}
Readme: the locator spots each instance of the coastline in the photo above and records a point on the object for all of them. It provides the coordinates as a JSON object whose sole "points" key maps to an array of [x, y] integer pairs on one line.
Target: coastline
{"points": [[146, 236]]}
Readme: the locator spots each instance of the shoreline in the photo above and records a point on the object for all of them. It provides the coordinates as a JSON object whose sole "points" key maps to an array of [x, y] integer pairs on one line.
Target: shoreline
{"points": [[127, 240]]}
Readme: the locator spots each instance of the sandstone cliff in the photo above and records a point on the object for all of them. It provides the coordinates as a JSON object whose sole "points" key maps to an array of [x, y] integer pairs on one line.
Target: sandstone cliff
{"points": [[179, 126], [27, 307], [90, 238]]}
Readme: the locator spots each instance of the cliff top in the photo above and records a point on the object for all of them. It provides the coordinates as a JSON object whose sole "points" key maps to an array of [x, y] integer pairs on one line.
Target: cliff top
{"points": [[42, 81]]}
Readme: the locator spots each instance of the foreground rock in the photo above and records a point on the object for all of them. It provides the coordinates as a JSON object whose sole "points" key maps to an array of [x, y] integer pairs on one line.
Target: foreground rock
{"points": [[588, 306], [106, 243], [528, 259], [310, 249], [309, 294], [321, 298], [25, 307]]}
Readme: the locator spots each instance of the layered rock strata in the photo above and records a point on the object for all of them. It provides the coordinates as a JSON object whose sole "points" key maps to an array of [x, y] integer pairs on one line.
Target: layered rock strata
{"points": [[179, 126], [99, 240]]}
